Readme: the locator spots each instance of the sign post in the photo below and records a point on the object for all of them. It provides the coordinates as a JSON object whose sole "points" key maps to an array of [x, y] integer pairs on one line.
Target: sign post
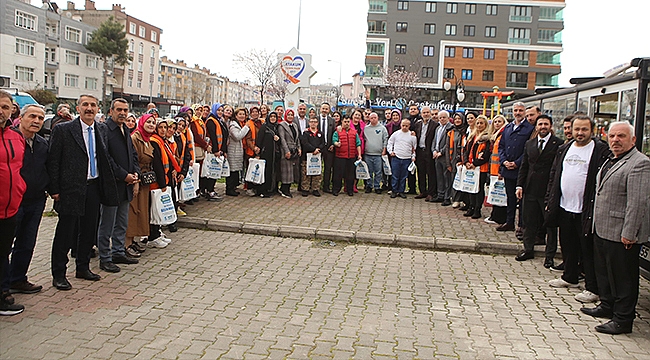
{"points": [[296, 71]]}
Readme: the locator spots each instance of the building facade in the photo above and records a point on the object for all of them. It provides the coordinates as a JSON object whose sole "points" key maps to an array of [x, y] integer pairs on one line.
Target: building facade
{"points": [[42, 48], [515, 45], [190, 85]]}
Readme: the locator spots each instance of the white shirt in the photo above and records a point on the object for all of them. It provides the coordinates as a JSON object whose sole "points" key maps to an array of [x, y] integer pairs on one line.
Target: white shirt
{"points": [[303, 124], [84, 132], [546, 139], [402, 144], [323, 124], [574, 176]]}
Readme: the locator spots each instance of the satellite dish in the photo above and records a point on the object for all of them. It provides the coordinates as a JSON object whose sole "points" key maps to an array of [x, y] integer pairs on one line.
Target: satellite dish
{"points": [[59, 11], [68, 15]]}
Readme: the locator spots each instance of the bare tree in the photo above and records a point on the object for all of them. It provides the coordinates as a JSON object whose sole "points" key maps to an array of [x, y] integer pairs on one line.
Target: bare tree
{"points": [[400, 84], [262, 67], [278, 87]]}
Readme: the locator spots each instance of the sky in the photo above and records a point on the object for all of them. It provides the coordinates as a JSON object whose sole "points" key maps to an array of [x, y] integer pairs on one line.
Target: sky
{"points": [[598, 34]]}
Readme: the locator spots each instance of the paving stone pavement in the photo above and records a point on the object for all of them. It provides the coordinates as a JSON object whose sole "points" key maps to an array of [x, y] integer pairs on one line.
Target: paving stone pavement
{"points": [[240, 296]]}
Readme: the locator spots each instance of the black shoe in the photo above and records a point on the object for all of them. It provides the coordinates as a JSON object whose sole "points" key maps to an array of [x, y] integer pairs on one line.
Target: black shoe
{"points": [[286, 195], [446, 202], [477, 215], [613, 328], [440, 200], [6, 297], [378, 191], [7, 309], [316, 193], [138, 246], [598, 312], [61, 283], [232, 193], [327, 191], [506, 227], [393, 195], [172, 228], [421, 196], [107, 266], [412, 192], [368, 190], [525, 255], [335, 193], [87, 275], [464, 207], [402, 195], [559, 267], [350, 193], [305, 193], [123, 259], [24, 287], [469, 212], [548, 263]]}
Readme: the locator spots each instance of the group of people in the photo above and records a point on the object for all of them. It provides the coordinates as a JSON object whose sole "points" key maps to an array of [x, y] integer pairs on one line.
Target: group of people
{"points": [[101, 173]]}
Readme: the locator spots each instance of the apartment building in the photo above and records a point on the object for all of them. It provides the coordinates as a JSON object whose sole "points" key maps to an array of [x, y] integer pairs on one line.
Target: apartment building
{"points": [[515, 45], [138, 82], [43, 48], [190, 85]]}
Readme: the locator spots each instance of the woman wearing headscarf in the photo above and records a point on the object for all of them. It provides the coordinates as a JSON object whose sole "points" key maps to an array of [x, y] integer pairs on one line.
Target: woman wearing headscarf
{"points": [[201, 145], [456, 139], [289, 133], [138, 224], [396, 122], [267, 143], [359, 125], [131, 122], [254, 123], [237, 129], [218, 139]]}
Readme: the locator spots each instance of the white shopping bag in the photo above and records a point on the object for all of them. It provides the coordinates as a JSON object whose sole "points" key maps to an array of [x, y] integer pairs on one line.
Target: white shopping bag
{"points": [[497, 193], [195, 171], [386, 165], [162, 210], [255, 172], [314, 164], [188, 188], [362, 170], [470, 180], [225, 167], [458, 177], [412, 168], [212, 166]]}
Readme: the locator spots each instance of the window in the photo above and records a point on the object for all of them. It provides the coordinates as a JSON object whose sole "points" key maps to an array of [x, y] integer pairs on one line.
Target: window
{"points": [[488, 54], [71, 80], [427, 72], [91, 83], [153, 52], [402, 5], [521, 13], [142, 32], [452, 8], [51, 30], [470, 9], [131, 46], [549, 58], [130, 82], [469, 30], [516, 80], [549, 36], [71, 57], [468, 53], [375, 49], [488, 75], [72, 34], [26, 21], [518, 36], [399, 68], [25, 47], [91, 61], [428, 50], [491, 10], [23, 73], [400, 49], [89, 37], [450, 52], [490, 31], [132, 28], [140, 48], [450, 30], [448, 73], [154, 36], [547, 13], [50, 55], [377, 6], [130, 65], [139, 66], [377, 27], [373, 70], [430, 29], [139, 84], [518, 57], [49, 80], [402, 27], [467, 74], [430, 6]]}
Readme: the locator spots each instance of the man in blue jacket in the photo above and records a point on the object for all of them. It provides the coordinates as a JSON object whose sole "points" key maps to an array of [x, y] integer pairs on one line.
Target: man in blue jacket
{"points": [[511, 155]]}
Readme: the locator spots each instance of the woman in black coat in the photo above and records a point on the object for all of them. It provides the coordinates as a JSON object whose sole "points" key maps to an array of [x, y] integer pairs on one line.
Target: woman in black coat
{"points": [[313, 142], [267, 143]]}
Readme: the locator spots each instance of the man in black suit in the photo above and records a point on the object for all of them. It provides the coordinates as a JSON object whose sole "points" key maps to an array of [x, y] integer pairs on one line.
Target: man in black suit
{"points": [[114, 219], [425, 132], [532, 179], [327, 126], [415, 118], [81, 178]]}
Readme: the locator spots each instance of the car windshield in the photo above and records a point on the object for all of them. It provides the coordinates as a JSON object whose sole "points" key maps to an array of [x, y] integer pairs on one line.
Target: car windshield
{"points": [[23, 100]]}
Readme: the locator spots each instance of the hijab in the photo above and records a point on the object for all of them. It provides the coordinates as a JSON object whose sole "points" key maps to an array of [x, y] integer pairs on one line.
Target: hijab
{"points": [[214, 109], [287, 112], [462, 128], [140, 128], [398, 113]]}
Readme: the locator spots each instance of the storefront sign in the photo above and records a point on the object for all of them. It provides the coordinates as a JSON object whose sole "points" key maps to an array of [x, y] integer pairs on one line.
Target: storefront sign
{"points": [[396, 103]]}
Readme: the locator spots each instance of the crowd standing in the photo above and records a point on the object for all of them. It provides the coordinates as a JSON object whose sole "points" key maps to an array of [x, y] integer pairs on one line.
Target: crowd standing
{"points": [[101, 173]]}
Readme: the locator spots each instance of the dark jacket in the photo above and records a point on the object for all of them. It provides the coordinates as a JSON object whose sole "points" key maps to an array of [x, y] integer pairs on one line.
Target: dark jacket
{"points": [[211, 125], [536, 168], [310, 142], [124, 158], [182, 149], [67, 165], [511, 146], [34, 170], [429, 136], [554, 192]]}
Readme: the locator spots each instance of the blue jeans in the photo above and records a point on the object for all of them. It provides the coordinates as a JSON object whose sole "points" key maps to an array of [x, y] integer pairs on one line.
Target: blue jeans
{"points": [[28, 220], [113, 222], [400, 172], [375, 170]]}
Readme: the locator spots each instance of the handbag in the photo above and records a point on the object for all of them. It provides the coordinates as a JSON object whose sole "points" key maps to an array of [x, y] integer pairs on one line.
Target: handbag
{"points": [[148, 178]]}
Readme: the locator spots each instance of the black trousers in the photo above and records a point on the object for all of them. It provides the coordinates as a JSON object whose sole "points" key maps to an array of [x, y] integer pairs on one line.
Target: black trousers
{"points": [[577, 251], [328, 164], [411, 182], [232, 181], [533, 215], [427, 181], [617, 273], [476, 200], [79, 229], [511, 210], [344, 169], [7, 229]]}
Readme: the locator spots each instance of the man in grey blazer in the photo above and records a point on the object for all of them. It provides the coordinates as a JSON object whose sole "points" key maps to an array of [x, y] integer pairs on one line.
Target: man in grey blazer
{"points": [[621, 224]]}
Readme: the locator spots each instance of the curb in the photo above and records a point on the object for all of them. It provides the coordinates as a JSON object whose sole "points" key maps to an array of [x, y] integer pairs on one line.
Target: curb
{"points": [[399, 240]]}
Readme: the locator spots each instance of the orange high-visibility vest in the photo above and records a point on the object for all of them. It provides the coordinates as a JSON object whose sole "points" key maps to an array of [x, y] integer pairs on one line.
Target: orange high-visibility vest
{"points": [[167, 158], [495, 163], [481, 147]]}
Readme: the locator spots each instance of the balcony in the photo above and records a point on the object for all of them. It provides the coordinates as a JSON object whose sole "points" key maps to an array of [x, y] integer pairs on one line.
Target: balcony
{"points": [[52, 88], [518, 85], [521, 18], [52, 64], [546, 36], [523, 41], [378, 7], [550, 14], [518, 62]]}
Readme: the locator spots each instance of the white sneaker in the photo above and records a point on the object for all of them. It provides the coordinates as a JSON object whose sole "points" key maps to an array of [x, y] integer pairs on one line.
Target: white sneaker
{"points": [[560, 283], [587, 296], [157, 243], [166, 239], [250, 192], [455, 204], [489, 220]]}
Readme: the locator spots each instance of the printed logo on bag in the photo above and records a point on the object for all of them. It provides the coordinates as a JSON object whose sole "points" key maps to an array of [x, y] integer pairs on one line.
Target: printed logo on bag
{"points": [[166, 199]]}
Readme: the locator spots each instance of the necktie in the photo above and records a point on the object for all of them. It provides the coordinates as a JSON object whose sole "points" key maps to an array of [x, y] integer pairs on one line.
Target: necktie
{"points": [[541, 145], [91, 152]]}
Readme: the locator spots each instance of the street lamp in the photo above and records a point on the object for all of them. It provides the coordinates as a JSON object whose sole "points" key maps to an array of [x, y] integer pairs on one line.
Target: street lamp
{"points": [[459, 89], [339, 87]]}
